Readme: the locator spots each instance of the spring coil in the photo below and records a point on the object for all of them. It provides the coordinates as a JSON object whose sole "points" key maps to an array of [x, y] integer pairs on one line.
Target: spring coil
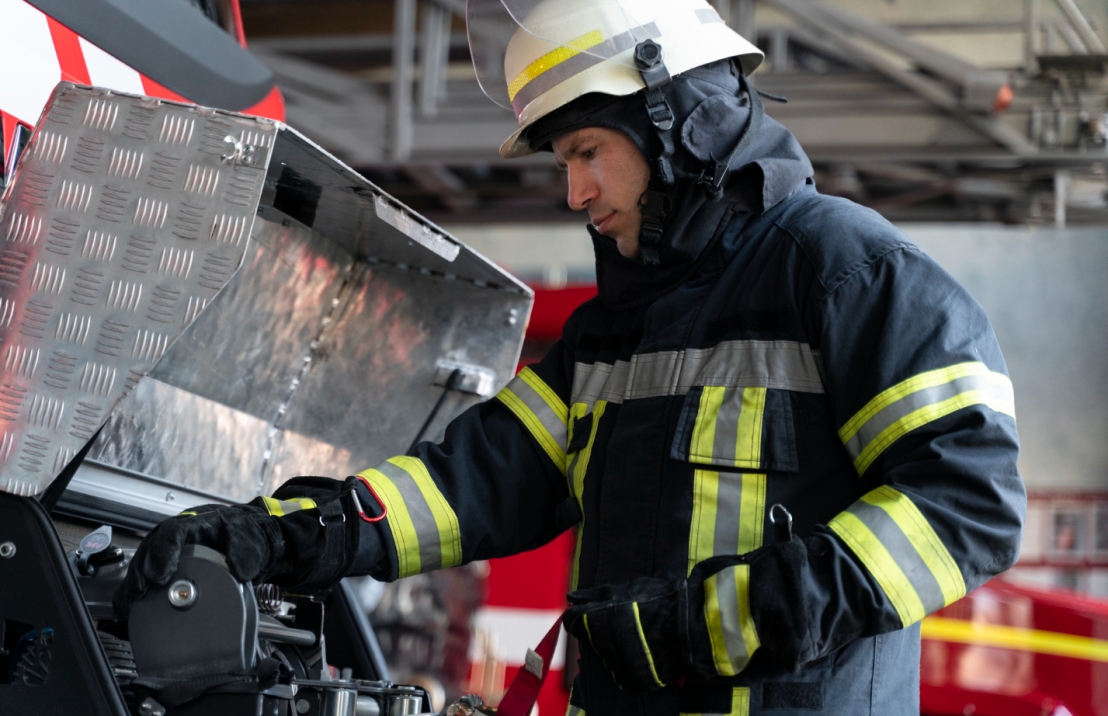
{"points": [[269, 598]]}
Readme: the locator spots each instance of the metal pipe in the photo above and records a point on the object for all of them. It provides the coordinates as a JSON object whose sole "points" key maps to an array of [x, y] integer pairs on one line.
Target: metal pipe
{"points": [[744, 21], [434, 53], [723, 7], [939, 63], [1081, 25], [925, 87], [400, 104], [1071, 38], [1061, 195], [779, 50], [273, 630], [1032, 18]]}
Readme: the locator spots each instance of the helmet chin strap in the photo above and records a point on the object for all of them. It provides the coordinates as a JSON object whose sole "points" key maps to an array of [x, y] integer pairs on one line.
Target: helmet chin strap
{"points": [[656, 202]]}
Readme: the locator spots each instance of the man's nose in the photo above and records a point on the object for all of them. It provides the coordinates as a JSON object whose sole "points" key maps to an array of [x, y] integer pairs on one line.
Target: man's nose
{"points": [[580, 190]]}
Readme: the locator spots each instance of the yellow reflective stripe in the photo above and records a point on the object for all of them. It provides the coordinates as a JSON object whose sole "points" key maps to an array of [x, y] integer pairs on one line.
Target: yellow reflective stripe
{"points": [[588, 632], [581, 464], [702, 531], [704, 431], [715, 628], [742, 592], [748, 441], [750, 514], [728, 427], [645, 646], [572, 710], [922, 536], [740, 701], [920, 400], [551, 437], [1017, 638], [552, 59], [727, 517], [280, 508], [881, 565], [577, 474], [400, 523], [450, 534], [727, 613], [423, 524], [187, 513], [551, 398]]}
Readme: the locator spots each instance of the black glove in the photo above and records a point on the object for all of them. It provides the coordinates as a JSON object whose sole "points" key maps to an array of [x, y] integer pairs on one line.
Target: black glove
{"points": [[651, 632], [306, 537], [639, 630]]}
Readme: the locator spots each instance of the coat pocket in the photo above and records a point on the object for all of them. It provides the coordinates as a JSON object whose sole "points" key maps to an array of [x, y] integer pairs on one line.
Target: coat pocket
{"points": [[745, 428]]}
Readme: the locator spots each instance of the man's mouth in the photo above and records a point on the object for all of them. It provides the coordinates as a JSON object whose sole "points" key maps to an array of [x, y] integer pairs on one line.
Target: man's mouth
{"points": [[603, 223]]}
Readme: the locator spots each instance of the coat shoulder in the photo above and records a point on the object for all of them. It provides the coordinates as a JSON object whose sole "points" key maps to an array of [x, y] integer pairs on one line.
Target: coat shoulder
{"points": [[839, 237]]}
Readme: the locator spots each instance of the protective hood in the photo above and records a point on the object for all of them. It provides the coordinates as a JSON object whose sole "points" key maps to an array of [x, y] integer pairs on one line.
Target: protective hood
{"points": [[711, 112]]}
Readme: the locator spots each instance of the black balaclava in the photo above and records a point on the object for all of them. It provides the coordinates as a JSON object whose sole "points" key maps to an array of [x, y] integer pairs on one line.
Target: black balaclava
{"points": [[712, 112]]}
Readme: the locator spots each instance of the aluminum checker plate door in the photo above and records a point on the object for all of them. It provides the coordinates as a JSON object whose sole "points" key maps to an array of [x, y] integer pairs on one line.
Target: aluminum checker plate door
{"points": [[126, 217]]}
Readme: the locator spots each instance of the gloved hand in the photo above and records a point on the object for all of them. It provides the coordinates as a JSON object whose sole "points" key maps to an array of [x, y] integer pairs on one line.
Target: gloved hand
{"points": [[306, 537], [651, 632], [639, 630]]}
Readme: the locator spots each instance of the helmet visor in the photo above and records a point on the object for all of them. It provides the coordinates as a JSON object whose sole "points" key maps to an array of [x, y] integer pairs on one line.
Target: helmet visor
{"points": [[521, 48]]}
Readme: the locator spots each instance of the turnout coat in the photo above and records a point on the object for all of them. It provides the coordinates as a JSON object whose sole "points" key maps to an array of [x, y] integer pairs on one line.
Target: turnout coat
{"points": [[806, 354]]}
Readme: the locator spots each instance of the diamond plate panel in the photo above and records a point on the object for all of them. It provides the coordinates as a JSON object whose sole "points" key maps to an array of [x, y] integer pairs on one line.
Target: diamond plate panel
{"points": [[126, 217]]}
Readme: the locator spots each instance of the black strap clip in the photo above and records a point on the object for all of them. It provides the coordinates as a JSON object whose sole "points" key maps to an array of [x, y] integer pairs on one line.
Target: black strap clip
{"points": [[714, 183], [653, 205]]}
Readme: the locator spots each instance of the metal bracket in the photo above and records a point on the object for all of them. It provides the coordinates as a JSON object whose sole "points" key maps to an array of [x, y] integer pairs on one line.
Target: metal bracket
{"points": [[474, 378]]}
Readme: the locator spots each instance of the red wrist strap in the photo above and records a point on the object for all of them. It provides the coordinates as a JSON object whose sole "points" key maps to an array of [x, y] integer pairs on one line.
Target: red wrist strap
{"points": [[524, 689]]}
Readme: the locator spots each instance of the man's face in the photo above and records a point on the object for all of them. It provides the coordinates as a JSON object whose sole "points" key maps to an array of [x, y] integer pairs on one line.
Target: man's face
{"points": [[606, 174]]}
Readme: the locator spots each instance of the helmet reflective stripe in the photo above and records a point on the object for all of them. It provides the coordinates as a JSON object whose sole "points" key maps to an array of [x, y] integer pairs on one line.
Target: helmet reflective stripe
{"points": [[552, 59], [528, 86]]}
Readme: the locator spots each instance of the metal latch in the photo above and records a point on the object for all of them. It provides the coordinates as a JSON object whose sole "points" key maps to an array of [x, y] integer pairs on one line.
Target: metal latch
{"points": [[471, 379]]}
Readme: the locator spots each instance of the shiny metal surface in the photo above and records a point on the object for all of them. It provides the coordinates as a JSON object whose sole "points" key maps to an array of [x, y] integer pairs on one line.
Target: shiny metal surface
{"points": [[324, 354], [367, 706], [404, 705], [339, 702], [109, 239], [183, 594]]}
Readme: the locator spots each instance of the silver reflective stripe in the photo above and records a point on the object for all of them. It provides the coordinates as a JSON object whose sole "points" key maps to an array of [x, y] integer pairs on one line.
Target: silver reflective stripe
{"points": [[574, 711], [600, 381], [727, 614], [898, 546], [905, 554], [708, 16], [730, 618], [784, 365], [422, 519], [728, 509], [541, 411], [919, 400], [583, 60]]}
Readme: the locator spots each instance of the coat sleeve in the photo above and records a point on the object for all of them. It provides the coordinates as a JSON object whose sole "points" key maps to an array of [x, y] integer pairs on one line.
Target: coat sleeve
{"points": [[925, 411], [494, 486]]}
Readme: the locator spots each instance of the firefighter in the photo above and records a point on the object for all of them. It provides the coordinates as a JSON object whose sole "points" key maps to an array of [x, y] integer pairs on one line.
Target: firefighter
{"points": [[784, 434]]}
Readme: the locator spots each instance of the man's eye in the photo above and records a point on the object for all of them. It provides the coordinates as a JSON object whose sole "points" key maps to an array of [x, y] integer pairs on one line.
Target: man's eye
{"points": [[589, 153]]}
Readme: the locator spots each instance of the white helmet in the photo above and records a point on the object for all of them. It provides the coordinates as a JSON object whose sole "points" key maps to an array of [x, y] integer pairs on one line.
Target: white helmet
{"points": [[536, 56]]}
